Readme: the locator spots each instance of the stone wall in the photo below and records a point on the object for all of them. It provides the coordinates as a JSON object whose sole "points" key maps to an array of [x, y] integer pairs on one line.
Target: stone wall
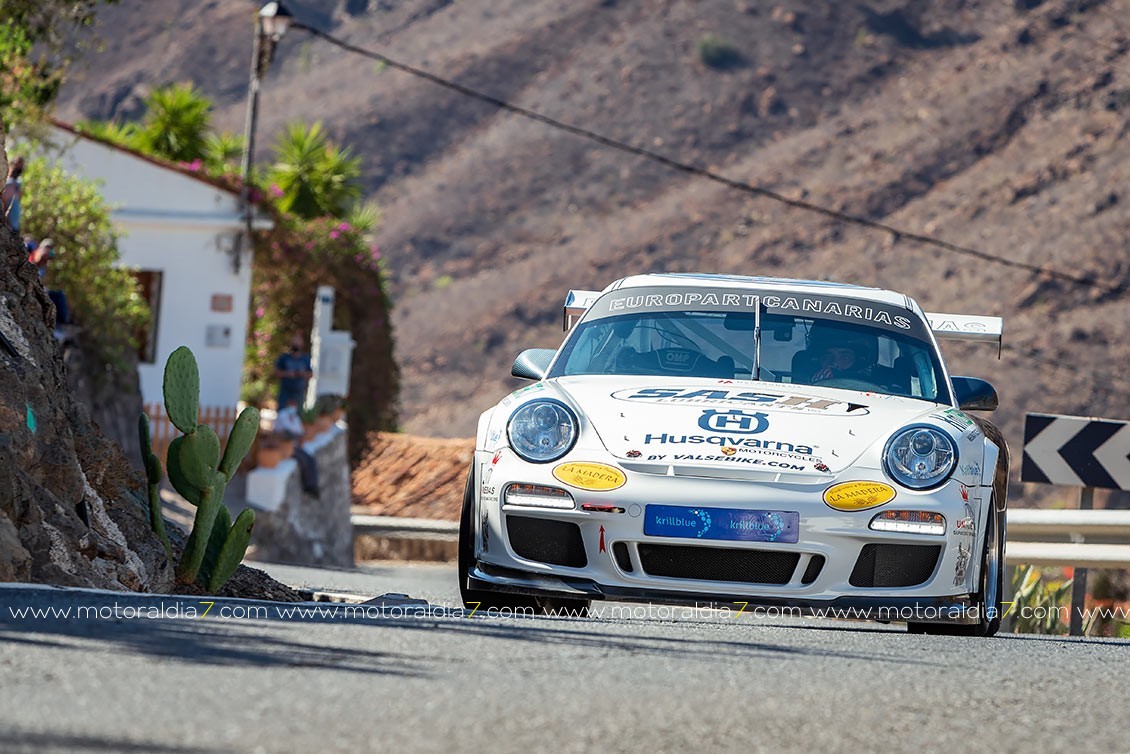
{"points": [[292, 526]]}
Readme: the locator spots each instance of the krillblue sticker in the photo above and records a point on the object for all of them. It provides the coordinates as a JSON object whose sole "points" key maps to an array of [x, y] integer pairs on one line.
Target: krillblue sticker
{"points": [[722, 523], [31, 423]]}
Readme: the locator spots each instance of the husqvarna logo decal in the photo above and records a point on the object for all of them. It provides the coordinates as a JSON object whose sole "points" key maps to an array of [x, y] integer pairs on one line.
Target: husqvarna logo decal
{"points": [[735, 422]]}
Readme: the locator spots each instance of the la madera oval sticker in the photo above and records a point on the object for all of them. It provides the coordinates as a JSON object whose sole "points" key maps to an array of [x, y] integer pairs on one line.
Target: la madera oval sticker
{"points": [[858, 496], [595, 477]]}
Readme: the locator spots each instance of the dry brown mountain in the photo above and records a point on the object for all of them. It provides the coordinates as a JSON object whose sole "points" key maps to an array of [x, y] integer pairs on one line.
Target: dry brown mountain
{"points": [[997, 125]]}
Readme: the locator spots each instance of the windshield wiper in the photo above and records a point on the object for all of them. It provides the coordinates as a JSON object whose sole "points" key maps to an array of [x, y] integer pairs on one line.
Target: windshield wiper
{"points": [[757, 339]]}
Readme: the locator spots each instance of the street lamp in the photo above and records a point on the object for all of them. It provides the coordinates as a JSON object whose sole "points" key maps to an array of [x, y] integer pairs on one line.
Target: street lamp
{"points": [[270, 25]]}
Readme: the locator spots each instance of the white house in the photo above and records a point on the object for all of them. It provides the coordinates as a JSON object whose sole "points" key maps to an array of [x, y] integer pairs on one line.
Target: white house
{"points": [[183, 234]]}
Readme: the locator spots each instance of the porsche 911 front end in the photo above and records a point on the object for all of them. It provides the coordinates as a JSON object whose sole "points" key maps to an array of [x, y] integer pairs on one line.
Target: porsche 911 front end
{"points": [[679, 448]]}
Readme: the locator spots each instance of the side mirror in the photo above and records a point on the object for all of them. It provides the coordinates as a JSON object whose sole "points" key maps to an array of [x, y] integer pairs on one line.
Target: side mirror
{"points": [[973, 394], [533, 363]]}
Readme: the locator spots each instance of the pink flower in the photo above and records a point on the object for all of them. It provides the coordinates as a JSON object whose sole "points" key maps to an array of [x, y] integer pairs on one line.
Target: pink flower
{"points": [[334, 234], [276, 191], [259, 312], [345, 227], [375, 252]]}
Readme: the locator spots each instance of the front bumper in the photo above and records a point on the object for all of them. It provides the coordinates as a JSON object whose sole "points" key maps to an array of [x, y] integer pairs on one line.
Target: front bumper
{"points": [[830, 539], [958, 608]]}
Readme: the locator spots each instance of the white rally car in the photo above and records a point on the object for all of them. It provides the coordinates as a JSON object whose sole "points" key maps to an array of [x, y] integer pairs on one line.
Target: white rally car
{"points": [[714, 439]]}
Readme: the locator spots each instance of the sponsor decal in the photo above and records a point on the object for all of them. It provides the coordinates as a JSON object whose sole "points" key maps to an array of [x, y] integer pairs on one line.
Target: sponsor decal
{"points": [[974, 434], [595, 477], [721, 523], [962, 564], [970, 469], [755, 461], [729, 451], [964, 492], [725, 440], [858, 496], [823, 467], [657, 299], [633, 454], [521, 391], [497, 455], [954, 418], [966, 526], [735, 421], [602, 548], [489, 491], [494, 436], [748, 398]]}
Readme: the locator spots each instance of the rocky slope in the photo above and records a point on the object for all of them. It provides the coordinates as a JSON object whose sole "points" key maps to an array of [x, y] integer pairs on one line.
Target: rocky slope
{"points": [[69, 509], [999, 126]]}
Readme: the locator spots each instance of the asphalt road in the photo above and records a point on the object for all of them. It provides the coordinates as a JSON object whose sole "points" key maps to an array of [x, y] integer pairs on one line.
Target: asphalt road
{"points": [[427, 678]]}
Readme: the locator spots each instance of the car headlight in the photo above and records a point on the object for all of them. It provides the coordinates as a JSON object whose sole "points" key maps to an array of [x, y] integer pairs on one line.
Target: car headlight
{"points": [[920, 457], [542, 431]]}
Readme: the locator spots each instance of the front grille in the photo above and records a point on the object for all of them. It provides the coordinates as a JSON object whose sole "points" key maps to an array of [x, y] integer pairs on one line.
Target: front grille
{"points": [[815, 566], [554, 542], [718, 563], [623, 559], [894, 565]]}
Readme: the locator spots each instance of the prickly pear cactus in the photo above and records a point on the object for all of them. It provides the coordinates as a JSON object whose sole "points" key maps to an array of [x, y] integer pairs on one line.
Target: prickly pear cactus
{"points": [[182, 390], [153, 477], [199, 472]]}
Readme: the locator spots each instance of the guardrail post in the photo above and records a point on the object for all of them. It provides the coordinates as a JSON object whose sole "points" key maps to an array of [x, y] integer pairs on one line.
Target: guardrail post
{"points": [[1079, 582]]}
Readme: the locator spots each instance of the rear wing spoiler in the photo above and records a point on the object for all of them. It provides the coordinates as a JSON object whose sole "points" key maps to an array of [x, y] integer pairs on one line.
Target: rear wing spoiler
{"points": [[945, 326], [966, 327], [575, 305]]}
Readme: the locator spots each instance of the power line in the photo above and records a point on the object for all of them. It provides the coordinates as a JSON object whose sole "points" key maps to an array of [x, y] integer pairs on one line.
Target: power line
{"points": [[584, 133]]}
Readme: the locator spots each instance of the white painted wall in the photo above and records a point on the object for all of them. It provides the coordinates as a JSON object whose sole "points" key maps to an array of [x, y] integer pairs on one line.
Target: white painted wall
{"points": [[185, 228]]}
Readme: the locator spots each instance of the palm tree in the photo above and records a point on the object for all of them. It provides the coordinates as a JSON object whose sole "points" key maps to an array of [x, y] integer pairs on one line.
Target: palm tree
{"points": [[316, 177], [176, 123], [223, 150]]}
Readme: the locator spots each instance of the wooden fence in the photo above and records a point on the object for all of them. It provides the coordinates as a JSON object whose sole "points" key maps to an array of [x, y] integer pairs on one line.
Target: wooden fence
{"points": [[219, 418]]}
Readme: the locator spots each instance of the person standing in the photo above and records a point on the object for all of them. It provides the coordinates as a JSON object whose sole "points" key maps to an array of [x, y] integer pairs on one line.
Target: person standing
{"points": [[12, 193], [292, 369]]}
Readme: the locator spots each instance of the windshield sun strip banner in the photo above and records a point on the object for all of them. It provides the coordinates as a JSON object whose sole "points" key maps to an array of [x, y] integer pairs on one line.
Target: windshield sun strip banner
{"points": [[649, 299]]}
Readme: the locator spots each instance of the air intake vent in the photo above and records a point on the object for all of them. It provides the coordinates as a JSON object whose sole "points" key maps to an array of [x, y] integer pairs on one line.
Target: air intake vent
{"points": [[623, 559], [553, 542], [812, 572], [718, 563], [894, 565]]}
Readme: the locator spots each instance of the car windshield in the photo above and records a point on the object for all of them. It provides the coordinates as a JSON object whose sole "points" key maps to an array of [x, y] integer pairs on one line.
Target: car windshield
{"points": [[794, 349]]}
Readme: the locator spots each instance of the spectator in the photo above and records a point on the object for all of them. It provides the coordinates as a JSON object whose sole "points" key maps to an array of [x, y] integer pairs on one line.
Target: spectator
{"points": [[12, 193], [292, 369], [40, 255]]}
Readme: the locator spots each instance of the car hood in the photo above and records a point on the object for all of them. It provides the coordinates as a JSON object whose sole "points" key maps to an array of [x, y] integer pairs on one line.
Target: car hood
{"points": [[737, 424]]}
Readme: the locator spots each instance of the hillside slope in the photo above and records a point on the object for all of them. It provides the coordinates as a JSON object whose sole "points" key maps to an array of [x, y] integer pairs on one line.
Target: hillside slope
{"points": [[1001, 126]]}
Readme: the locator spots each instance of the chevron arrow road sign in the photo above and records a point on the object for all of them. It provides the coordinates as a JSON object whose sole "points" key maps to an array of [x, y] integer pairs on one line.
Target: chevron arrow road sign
{"points": [[1076, 451]]}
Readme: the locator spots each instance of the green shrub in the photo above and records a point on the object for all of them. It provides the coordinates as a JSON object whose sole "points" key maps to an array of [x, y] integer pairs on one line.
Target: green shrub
{"points": [[1039, 606], [103, 297], [716, 52]]}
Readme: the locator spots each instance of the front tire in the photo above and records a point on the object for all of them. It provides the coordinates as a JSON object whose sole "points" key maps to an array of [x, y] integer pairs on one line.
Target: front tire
{"points": [[481, 600], [988, 597]]}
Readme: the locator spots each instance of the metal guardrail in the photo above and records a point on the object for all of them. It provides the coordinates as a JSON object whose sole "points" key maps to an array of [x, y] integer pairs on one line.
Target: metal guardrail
{"points": [[404, 528], [1035, 537], [1079, 538]]}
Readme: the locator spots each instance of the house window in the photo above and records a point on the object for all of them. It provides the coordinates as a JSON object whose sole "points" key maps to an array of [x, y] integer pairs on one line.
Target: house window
{"points": [[149, 285]]}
